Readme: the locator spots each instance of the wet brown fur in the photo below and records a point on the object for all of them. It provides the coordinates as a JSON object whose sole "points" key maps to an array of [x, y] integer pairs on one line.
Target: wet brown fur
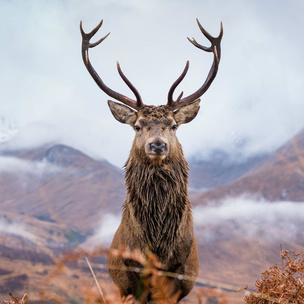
{"points": [[157, 211]]}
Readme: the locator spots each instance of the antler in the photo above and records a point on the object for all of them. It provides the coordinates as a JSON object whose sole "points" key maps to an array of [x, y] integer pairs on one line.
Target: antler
{"points": [[135, 104], [215, 48]]}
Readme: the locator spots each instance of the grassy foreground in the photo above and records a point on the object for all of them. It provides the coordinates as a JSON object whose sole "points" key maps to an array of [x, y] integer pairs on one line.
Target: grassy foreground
{"points": [[279, 284]]}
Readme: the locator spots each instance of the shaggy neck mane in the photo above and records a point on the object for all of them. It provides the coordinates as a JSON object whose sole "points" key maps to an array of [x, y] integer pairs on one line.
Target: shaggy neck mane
{"points": [[158, 196]]}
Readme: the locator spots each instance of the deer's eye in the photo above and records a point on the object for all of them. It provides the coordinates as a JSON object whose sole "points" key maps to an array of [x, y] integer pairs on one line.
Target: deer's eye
{"points": [[137, 128], [174, 127]]}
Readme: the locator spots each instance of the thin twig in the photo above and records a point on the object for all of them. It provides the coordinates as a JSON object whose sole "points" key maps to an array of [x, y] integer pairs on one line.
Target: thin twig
{"points": [[94, 276]]}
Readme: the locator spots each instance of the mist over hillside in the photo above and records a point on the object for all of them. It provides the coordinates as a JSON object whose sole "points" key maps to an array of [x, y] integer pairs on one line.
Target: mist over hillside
{"points": [[279, 178], [59, 183]]}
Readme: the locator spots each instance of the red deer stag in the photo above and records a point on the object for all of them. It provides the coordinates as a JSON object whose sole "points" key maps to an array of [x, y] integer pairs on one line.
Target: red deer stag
{"points": [[157, 211]]}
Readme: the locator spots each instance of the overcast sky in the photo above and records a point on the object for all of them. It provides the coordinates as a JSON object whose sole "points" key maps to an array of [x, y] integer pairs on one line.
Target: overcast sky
{"points": [[254, 105]]}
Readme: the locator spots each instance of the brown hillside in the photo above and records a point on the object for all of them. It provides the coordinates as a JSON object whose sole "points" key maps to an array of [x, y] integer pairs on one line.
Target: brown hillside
{"points": [[62, 185], [280, 178], [220, 169]]}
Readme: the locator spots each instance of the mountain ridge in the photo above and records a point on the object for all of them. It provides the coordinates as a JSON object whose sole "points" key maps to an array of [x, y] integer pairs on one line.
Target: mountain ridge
{"points": [[81, 185], [279, 178]]}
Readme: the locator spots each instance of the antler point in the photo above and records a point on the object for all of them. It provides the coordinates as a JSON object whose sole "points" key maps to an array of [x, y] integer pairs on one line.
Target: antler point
{"points": [[81, 29], [221, 31]]}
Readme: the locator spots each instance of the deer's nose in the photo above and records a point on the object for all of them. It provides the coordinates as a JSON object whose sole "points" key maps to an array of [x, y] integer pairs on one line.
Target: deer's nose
{"points": [[158, 147]]}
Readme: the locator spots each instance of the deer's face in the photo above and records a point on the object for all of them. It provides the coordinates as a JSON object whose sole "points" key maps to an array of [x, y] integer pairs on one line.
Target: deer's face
{"points": [[155, 127], [155, 132]]}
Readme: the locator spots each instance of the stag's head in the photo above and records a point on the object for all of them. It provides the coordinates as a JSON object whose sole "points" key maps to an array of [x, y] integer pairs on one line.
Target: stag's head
{"points": [[155, 127]]}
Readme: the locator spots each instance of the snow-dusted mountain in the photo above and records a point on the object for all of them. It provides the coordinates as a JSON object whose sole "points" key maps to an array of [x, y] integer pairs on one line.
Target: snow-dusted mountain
{"points": [[7, 130]]}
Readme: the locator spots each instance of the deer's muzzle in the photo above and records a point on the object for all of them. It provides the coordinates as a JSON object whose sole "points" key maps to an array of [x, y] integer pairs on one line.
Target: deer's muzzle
{"points": [[158, 147]]}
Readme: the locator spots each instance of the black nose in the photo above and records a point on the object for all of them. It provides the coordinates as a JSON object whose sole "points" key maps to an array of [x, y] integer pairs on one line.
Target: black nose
{"points": [[158, 147]]}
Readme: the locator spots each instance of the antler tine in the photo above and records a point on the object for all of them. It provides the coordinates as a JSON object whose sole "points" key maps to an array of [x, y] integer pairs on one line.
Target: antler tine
{"points": [[171, 102], [92, 33], [130, 85], [195, 43], [215, 41], [215, 48], [85, 56], [208, 36]]}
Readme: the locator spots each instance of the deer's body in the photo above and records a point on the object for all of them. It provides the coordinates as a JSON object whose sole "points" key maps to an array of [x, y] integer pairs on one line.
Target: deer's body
{"points": [[157, 214]]}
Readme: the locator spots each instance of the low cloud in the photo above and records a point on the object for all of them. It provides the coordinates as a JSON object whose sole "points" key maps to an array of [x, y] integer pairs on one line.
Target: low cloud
{"points": [[245, 218], [234, 218], [105, 233], [17, 229], [26, 167]]}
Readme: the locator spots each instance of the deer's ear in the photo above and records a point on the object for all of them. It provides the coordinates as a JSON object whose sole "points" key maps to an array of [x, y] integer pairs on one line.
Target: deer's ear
{"points": [[187, 113], [122, 113]]}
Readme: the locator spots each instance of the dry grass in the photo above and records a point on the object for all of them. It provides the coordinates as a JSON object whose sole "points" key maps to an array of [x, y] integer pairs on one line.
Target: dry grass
{"points": [[150, 274], [281, 284], [207, 295], [16, 300], [154, 280]]}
